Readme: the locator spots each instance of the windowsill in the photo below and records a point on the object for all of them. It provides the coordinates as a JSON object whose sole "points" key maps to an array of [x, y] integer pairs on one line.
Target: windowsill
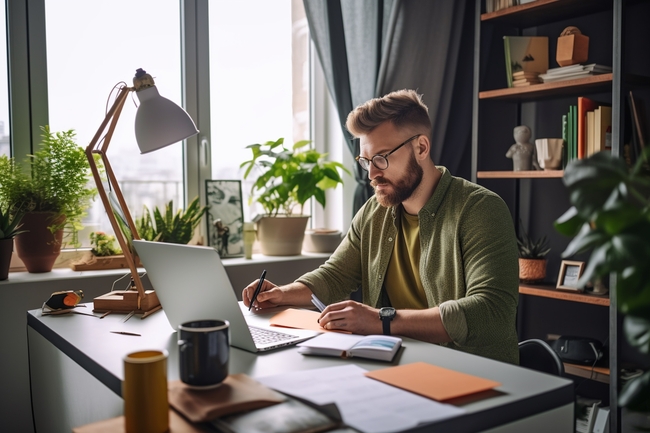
{"points": [[65, 273]]}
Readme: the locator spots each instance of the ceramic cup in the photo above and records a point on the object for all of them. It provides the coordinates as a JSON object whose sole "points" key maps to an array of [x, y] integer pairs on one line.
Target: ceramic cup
{"points": [[146, 408], [549, 153], [204, 350]]}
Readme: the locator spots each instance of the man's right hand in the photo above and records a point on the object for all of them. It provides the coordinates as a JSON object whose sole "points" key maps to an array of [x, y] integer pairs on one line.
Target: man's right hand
{"points": [[295, 294], [270, 295]]}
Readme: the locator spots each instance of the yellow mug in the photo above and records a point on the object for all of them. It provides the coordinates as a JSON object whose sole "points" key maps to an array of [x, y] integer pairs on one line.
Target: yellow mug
{"points": [[144, 390]]}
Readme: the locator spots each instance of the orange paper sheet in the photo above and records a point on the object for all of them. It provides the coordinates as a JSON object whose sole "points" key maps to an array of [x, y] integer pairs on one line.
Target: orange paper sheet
{"points": [[299, 319], [431, 381]]}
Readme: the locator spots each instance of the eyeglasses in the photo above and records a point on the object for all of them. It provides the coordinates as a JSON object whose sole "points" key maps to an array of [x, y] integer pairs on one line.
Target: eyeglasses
{"points": [[380, 161]]}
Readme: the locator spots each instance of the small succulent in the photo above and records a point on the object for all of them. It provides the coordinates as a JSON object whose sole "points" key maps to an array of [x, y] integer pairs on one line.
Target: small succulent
{"points": [[10, 224], [530, 249]]}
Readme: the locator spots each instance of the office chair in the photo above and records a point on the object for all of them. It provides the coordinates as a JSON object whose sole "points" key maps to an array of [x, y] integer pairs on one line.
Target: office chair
{"points": [[538, 355]]}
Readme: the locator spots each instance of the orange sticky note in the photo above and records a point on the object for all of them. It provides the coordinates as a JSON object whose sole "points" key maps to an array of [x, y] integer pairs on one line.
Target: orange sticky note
{"points": [[299, 319], [431, 381]]}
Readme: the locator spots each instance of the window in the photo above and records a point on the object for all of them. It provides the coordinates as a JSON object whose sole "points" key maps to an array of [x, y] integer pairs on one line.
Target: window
{"points": [[4, 87], [259, 81], [106, 44]]}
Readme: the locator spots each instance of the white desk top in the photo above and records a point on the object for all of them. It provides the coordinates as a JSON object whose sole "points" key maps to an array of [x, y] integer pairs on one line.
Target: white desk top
{"points": [[88, 342]]}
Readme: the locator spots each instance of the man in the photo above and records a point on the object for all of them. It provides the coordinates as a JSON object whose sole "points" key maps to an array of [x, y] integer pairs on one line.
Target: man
{"points": [[435, 256]]}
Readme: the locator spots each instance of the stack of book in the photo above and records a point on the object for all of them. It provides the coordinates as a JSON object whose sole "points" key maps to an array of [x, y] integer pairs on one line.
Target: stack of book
{"points": [[496, 5], [524, 78], [573, 71]]}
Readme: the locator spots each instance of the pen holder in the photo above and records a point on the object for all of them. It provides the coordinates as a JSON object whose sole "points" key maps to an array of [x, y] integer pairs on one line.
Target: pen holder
{"points": [[146, 408]]}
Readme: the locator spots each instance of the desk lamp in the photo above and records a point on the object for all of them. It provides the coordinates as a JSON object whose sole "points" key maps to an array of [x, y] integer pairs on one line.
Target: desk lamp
{"points": [[158, 123]]}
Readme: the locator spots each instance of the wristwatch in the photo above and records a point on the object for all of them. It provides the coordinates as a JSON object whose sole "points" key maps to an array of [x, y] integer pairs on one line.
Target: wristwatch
{"points": [[386, 314]]}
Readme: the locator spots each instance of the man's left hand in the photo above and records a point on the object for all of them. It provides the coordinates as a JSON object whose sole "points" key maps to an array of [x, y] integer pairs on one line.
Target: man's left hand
{"points": [[351, 316]]}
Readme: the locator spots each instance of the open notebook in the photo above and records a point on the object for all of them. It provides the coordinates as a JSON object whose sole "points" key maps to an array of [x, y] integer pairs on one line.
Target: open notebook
{"points": [[192, 284]]}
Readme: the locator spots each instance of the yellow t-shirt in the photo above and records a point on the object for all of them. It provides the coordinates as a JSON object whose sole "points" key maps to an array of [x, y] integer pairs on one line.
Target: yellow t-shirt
{"points": [[403, 284]]}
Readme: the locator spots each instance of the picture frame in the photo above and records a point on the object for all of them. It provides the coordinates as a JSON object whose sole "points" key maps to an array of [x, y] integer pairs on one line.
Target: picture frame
{"points": [[225, 217], [570, 273]]}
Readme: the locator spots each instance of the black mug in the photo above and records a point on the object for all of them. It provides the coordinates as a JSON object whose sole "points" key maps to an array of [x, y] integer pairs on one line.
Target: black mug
{"points": [[204, 350]]}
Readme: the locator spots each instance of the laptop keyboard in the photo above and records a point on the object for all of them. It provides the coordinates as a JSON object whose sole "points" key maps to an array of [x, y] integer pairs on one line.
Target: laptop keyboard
{"points": [[266, 336]]}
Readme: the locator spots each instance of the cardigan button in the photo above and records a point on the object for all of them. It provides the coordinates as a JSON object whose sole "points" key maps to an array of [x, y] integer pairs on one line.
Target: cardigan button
{"points": [[390, 239]]}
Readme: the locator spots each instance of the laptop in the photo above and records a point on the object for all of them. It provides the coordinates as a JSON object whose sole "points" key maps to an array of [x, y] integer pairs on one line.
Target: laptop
{"points": [[192, 284]]}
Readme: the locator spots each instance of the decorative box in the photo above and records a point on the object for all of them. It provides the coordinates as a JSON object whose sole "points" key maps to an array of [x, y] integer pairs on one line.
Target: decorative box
{"points": [[572, 47]]}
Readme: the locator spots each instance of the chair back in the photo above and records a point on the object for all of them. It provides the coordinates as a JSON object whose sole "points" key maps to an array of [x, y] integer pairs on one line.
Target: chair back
{"points": [[538, 355]]}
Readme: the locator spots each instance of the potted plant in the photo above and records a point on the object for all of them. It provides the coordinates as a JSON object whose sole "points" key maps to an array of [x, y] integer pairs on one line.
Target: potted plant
{"points": [[288, 179], [9, 228], [610, 216], [53, 189], [169, 226], [532, 257], [104, 254]]}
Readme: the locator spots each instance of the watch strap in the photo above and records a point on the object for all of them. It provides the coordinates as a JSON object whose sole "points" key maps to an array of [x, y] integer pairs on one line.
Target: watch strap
{"points": [[386, 324]]}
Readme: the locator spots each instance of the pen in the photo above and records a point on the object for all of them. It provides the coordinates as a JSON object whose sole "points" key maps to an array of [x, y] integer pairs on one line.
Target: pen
{"points": [[318, 303], [257, 289], [125, 333]]}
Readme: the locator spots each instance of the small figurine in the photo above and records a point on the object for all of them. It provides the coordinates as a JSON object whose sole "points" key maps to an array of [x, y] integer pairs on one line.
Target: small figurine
{"points": [[523, 153]]}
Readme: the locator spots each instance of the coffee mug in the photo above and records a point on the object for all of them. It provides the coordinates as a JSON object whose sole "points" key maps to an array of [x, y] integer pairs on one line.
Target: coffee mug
{"points": [[204, 349], [144, 390]]}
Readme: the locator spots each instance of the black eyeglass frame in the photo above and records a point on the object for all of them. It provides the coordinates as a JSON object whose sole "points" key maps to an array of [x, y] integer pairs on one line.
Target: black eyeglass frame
{"points": [[361, 160]]}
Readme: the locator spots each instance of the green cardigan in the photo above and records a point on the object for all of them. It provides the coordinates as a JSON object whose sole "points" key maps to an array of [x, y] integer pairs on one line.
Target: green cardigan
{"points": [[468, 265]]}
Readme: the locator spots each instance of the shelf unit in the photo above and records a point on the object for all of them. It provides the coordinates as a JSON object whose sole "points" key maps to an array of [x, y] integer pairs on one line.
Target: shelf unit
{"points": [[618, 32]]}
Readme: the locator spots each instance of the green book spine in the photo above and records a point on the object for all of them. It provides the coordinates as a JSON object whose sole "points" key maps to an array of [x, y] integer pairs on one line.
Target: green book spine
{"points": [[506, 46], [565, 136], [575, 132]]}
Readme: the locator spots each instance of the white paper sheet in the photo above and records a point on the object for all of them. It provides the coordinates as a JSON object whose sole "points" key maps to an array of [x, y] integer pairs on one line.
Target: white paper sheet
{"points": [[365, 404]]}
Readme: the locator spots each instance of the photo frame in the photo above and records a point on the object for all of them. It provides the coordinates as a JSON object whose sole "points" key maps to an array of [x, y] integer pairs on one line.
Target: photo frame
{"points": [[225, 217], [570, 273]]}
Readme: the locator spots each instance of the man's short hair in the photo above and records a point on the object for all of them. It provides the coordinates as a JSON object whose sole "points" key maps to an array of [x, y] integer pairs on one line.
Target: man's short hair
{"points": [[404, 108]]}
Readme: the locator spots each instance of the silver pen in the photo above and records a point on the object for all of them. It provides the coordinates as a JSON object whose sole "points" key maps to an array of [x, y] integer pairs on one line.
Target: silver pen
{"points": [[317, 302]]}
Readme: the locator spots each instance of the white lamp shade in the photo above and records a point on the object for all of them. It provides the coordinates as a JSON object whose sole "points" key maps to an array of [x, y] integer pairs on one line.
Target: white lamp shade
{"points": [[159, 122]]}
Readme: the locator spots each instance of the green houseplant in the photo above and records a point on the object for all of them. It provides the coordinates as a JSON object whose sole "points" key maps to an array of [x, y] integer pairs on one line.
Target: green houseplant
{"points": [[532, 257], [610, 217], [9, 228], [288, 179], [169, 226], [52, 188]]}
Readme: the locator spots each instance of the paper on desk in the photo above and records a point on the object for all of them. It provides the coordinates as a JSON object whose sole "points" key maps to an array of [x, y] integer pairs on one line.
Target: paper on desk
{"points": [[432, 381], [299, 319], [365, 404]]}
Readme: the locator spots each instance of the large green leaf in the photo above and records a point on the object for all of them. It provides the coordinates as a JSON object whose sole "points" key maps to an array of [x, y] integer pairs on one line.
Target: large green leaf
{"points": [[635, 394]]}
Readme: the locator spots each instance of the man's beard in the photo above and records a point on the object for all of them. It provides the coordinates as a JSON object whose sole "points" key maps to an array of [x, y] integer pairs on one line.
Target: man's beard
{"points": [[403, 188]]}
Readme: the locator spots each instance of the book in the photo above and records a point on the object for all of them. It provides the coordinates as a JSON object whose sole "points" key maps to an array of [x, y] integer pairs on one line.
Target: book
{"points": [[291, 416], [524, 74], [590, 132], [525, 53], [584, 105], [603, 128], [379, 347], [572, 72]]}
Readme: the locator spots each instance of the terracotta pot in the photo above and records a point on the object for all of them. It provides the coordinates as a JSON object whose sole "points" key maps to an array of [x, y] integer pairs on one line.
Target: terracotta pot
{"points": [[281, 235], [6, 248], [532, 270], [38, 248]]}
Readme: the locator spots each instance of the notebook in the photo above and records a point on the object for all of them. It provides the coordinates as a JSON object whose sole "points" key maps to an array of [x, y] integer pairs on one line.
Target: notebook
{"points": [[192, 284]]}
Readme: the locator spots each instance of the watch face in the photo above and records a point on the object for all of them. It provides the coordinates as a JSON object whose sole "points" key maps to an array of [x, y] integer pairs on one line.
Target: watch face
{"points": [[387, 312]]}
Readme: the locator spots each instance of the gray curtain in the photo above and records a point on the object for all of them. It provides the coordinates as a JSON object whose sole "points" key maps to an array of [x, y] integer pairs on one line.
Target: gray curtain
{"points": [[371, 47]]}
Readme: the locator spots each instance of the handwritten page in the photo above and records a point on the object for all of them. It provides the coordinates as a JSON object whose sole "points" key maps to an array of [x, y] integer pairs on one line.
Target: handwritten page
{"points": [[299, 319], [365, 404], [431, 381]]}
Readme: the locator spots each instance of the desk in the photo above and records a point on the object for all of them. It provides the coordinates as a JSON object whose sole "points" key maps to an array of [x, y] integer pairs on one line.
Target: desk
{"points": [[76, 374]]}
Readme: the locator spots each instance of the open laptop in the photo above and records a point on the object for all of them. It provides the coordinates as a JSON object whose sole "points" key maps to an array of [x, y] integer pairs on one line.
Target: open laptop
{"points": [[192, 284]]}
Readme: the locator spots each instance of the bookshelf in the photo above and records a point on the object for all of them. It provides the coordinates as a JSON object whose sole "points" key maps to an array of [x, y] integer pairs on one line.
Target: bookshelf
{"points": [[618, 32]]}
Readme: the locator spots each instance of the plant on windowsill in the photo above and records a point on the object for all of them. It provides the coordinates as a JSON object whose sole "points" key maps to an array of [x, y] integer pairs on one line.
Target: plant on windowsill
{"points": [[288, 179], [610, 217], [53, 188], [105, 254], [10, 227], [169, 226], [532, 257]]}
